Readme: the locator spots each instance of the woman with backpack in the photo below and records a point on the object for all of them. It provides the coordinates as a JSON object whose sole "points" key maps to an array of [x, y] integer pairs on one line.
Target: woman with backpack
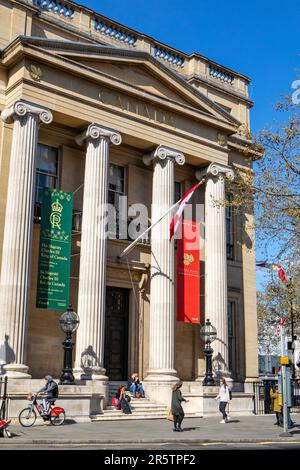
{"points": [[224, 397]]}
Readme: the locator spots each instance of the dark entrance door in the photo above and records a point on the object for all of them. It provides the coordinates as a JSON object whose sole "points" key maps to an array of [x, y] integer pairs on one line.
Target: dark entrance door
{"points": [[116, 333]]}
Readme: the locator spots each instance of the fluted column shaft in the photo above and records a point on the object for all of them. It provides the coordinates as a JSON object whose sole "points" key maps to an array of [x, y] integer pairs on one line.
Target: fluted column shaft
{"points": [[162, 306], [17, 239], [216, 261], [89, 362]]}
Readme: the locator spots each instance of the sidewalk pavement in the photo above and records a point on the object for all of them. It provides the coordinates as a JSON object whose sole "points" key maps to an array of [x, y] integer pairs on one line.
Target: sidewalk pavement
{"points": [[243, 429]]}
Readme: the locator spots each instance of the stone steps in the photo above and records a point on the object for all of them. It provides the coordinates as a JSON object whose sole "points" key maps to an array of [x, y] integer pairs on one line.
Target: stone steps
{"points": [[142, 408], [118, 415]]}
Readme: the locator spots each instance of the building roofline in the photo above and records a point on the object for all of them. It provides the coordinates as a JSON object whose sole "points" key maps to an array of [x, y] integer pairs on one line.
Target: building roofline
{"points": [[181, 79], [142, 35]]}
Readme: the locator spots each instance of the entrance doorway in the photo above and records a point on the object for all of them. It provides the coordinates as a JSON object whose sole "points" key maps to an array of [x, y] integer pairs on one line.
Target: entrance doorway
{"points": [[116, 333]]}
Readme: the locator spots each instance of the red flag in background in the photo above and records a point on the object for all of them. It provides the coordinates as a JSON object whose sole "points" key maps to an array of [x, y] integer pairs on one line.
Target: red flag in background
{"points": [[188, 273], [275, 267]]}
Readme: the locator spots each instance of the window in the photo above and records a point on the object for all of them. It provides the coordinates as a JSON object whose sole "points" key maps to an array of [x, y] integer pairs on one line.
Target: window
{"points": [[116, 189], [231, 335], [46, 174], [229, 228], [177, 191]]}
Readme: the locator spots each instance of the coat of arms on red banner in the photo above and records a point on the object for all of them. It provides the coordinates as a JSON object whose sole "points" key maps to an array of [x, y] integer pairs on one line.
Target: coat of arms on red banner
{"points": [[188, 273]]}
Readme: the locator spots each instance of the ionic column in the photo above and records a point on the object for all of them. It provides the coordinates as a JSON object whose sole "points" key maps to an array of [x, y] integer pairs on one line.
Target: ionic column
{"points": [[162, 306], [17, 239], [216, 260], [89, 362]]}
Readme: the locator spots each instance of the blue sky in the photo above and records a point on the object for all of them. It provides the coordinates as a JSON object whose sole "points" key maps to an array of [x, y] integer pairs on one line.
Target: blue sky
{"points": [[259, 38]]}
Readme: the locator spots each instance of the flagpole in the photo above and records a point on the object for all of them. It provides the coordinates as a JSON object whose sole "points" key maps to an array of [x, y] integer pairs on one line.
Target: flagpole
{"points": [[130, 247]]}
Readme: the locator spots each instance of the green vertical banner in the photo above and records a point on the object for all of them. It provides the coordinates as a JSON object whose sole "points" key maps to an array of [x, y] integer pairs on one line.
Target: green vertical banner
{"points": [[55, 250]]}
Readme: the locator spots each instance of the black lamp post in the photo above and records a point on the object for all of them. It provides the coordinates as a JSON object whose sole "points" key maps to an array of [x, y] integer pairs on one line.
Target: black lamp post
{"points": [[209, 333], [69, 322]]}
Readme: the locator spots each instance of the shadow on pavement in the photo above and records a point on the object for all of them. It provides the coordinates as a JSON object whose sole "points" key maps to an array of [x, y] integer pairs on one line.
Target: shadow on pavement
{"points": [[69, 421], [190, 429]]}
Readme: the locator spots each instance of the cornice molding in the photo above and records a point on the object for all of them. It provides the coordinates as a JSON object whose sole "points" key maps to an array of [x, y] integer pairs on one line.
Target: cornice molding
{"points": [[223, 88], [42, 44]]}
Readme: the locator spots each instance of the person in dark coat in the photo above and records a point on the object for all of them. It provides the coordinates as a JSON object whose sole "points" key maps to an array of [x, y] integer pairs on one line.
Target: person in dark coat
{"points": [[176, 408]]}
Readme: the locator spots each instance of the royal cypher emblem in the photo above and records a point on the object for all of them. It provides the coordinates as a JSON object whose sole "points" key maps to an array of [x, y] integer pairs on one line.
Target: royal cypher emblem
{"points": [[188, 259]]}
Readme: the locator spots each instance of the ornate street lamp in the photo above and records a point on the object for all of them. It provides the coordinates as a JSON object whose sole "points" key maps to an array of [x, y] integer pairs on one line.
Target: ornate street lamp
{"points": [[208, 333], [69, 322]]}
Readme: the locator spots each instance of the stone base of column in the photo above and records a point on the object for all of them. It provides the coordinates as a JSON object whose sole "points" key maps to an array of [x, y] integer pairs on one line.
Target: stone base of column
{"points": [[162, 375], [200, 378], [16, 371], [159, 391], [93, 373], [226, 375]]}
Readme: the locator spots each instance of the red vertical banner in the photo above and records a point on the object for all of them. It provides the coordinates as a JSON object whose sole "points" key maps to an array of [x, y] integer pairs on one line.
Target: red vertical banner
{"points": [[188, 273]]}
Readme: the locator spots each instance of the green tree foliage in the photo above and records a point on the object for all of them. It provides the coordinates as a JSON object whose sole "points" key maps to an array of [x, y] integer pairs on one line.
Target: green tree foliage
{"points": [[274, 186], [271, 184], [274, 301]]}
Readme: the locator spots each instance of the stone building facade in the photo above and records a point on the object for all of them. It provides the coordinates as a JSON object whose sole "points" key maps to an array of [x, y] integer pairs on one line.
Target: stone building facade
{"points": [[85, 102]]}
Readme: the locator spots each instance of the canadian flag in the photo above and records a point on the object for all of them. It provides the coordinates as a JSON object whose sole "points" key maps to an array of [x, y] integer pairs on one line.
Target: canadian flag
{"points": [[182, 203], [275, 267]]}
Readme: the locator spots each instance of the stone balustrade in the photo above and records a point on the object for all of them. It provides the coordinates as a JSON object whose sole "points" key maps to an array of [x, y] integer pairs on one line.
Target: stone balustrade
{"points": [[114, 32], [220, 74], [97, 26], [168, 56], [57, 7]]}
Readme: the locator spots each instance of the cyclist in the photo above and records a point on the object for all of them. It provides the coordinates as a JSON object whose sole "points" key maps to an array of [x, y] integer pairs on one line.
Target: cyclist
{"points": [[51, 389]]}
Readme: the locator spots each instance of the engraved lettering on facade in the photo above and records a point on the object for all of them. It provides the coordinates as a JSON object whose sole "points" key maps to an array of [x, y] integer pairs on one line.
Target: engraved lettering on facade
{"points": [[136, 107]]}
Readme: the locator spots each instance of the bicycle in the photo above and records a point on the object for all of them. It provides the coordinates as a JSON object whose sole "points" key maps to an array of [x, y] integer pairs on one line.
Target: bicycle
{"points": [[55, 414]]}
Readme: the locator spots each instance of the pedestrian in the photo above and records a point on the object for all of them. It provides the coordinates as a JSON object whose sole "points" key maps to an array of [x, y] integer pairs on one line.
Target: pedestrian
{"points": [[276, 405], [224, 398], [176, 408]]}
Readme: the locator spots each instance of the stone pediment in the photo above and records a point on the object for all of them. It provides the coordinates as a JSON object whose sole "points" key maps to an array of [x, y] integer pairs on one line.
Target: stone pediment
{"points": [[148, 75], [138, 76], [133, 73]]}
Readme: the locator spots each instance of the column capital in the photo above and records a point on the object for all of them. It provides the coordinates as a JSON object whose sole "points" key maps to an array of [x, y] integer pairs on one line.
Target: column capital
{"points": [[22, 108], [216, 170], [162, 152], [97, 132]]}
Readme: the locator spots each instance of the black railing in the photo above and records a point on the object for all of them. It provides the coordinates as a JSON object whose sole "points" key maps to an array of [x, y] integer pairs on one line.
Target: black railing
{"points": [[263, 403]]}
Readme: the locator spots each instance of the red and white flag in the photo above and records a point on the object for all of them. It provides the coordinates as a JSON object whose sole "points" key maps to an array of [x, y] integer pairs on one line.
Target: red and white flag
{"points": [[275, 267], [182, 203]]}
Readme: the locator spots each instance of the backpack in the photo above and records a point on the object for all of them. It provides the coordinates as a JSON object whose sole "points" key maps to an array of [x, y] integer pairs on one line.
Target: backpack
{"points": [[55, 391], [230, 394]]}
